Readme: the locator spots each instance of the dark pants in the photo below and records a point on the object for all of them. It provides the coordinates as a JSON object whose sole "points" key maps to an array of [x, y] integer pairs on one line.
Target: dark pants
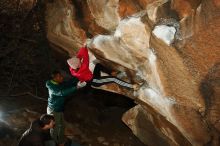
{"points": [[57, 133], [99, 80]]}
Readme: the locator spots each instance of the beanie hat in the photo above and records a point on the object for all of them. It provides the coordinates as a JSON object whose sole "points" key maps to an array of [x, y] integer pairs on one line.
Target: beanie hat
{"points": [[73, 62]]}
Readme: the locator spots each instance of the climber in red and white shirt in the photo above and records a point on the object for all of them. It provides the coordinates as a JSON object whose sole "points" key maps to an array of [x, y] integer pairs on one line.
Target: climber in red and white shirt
{"points": [[79, 68]]}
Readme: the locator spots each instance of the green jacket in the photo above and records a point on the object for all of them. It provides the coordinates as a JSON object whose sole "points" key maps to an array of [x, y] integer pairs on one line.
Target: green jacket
{"points": [[57, 93]]}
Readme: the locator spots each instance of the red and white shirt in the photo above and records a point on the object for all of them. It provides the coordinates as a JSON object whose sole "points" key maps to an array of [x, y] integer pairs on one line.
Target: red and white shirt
{"points": [[83, 73]]}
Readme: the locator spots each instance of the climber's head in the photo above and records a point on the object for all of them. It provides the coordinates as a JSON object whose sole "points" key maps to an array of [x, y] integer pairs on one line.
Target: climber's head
{"points": [[74, 62]]}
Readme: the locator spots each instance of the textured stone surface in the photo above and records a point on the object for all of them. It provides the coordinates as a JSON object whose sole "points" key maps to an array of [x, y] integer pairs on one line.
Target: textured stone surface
{"points": [[150, 126], [105, 13], [63, 31], [179, 100]]}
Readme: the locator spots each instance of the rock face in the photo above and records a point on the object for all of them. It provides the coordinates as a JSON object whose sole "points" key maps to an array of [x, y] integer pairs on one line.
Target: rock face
{"points": [[178, 102]]}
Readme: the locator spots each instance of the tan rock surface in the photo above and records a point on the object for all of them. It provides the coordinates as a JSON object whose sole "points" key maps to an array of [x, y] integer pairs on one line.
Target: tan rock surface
{"points": [[62, 30]]}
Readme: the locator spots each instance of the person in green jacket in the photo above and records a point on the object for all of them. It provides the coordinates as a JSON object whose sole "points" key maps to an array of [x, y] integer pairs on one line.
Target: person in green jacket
{"points": [[58, 89]]}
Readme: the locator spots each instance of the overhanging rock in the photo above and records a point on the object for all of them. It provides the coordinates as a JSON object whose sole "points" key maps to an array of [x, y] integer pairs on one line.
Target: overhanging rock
{"points": [[173, 100]]}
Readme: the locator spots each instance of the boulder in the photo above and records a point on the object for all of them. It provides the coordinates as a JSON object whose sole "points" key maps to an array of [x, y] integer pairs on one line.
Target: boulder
{"points": [[178, 100]]}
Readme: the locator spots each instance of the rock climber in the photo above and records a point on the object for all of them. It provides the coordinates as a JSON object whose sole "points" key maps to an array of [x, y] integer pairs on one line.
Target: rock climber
{"points": [[79, 68]]}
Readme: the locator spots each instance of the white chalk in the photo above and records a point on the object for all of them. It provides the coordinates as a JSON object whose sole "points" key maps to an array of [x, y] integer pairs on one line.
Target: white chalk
{"points": [[165, 33]]}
